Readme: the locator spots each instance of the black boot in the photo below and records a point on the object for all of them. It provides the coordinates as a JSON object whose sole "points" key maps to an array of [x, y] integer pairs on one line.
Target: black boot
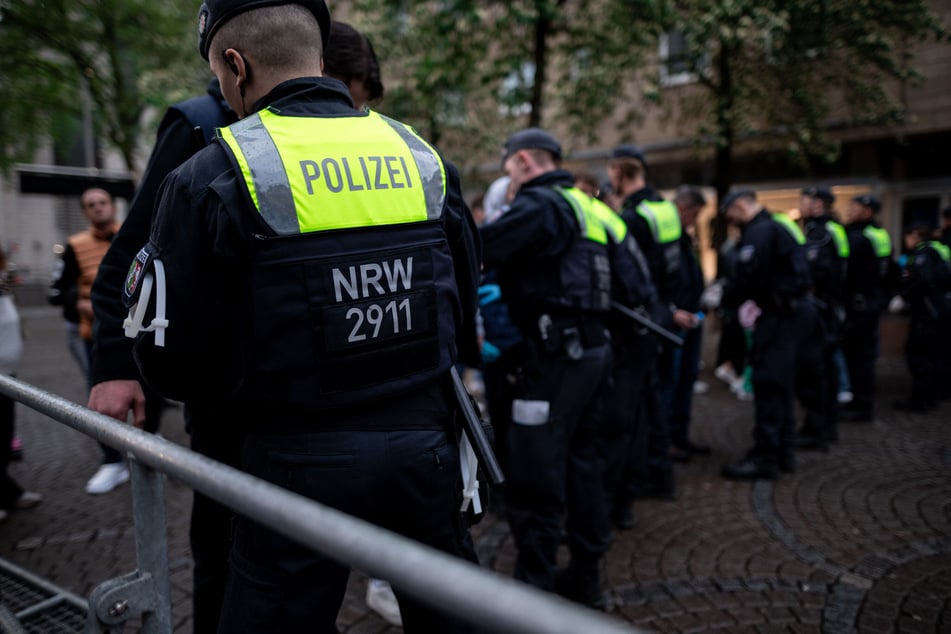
{"points": [[581, 586], [622, 516], [810, 441]]}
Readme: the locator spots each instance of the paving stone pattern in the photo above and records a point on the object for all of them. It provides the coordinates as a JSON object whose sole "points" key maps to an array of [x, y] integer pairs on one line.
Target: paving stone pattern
{"points": [[858, 540]]}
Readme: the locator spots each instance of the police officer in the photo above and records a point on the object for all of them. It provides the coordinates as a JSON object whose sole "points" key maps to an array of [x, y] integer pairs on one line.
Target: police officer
{"points": [[186, 128], [550, 254], [868, 286], [689, 201], [827, 252], [321, 273], [926, 288], [771, 279], [655, 225]]}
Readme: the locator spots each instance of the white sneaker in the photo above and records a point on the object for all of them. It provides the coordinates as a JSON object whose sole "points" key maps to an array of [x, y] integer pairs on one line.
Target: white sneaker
{"points": [[725, 374], [700, 387], [380, 599], [108, 477], [27, 500], [845, 397]]}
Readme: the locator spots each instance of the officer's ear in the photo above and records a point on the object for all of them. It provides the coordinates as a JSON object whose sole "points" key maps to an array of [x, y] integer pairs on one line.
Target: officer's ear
{"points": [[229, 62], [239, 66]]}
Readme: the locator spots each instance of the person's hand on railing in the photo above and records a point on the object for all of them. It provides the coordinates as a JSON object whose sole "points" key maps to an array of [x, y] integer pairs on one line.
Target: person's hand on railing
{"points": [[117, 398]]}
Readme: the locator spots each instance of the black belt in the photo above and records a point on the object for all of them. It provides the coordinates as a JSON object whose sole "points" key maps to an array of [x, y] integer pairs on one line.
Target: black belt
{"points": [[558, 333]]}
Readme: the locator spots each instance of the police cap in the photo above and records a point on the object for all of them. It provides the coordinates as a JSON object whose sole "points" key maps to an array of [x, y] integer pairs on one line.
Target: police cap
{"points": [[214, 13], [820, 192], [734, 196], [531, 139], [626, 150], [920, 227], [867, 200]]}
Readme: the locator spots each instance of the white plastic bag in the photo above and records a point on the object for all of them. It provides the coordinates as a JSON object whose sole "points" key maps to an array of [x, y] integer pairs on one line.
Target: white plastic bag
{"points": [[11, 341]]}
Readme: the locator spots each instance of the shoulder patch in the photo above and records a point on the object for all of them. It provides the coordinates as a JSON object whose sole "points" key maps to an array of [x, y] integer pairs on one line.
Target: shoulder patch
{"points": [[138, 267]]}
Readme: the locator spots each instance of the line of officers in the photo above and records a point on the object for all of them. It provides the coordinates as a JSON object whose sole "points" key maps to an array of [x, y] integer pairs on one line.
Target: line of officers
{"points": [[582, 390]]}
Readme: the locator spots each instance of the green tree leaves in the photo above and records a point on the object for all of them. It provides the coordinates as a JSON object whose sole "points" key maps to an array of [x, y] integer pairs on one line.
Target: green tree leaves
{"points": [[123, 54]]}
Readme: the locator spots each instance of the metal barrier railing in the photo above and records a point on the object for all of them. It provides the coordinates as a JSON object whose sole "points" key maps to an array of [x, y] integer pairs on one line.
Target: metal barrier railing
{"points": [[475, 595]]}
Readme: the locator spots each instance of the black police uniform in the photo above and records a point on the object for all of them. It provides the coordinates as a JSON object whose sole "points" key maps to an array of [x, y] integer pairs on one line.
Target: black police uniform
{"points": [[653, 471], [391, 457], [867, 291], [816, 377], [624, 430], [926, 286], [186, 128], [771, 271], [561, 370]]}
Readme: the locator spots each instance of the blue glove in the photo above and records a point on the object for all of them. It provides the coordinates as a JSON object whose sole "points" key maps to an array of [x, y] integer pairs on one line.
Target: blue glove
{"points": [[489, 293], [490, 353]]}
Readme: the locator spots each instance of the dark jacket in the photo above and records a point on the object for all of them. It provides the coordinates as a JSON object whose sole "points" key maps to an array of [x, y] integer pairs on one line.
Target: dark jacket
{"points": [[525, 245], [205, 225], [771, 267], [870, 279], [691, 277], [826, 265], [664, 266], [176, 141], [926, 282]]}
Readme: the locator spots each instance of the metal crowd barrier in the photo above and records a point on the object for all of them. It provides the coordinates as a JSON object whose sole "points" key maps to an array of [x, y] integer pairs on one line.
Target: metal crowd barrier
{"points": [[478, 596]]}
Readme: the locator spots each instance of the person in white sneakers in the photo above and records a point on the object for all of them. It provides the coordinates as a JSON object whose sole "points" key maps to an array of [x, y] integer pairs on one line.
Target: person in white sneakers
{"points": [[71, 289], [12, 495]]}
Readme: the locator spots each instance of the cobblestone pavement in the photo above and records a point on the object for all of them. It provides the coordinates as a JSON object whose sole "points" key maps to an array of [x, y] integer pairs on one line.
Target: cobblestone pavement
{"points": [[859, 539]]}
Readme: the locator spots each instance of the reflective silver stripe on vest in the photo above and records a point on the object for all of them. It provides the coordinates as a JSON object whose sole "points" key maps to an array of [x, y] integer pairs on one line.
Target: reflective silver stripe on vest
{"points": [[275, 200], [430, 169]]}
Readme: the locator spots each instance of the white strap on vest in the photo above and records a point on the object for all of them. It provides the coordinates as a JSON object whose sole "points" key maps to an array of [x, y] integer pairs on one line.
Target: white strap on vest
{"points": [[133, 323], [470, 481]]}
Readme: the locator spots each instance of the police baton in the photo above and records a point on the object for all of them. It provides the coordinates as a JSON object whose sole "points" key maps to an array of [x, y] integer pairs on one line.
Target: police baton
{"points": [[647, 323], [475, 433]]}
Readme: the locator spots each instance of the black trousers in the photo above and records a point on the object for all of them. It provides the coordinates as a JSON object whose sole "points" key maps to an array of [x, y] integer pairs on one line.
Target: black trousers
{"points": [[776, 338], [406, 481], [923, 351], [817, 384], [554, 466], [10, 491], [212, 524], [622, 435], [860, 347]]}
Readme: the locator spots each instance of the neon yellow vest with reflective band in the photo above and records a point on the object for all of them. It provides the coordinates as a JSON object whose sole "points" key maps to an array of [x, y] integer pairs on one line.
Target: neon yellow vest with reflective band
{"points": [[942, 249], [663, 219], [841, 240], [881, 242], [384, 174], [592, 226], [584, 275], [790, 225], [355, 299]]}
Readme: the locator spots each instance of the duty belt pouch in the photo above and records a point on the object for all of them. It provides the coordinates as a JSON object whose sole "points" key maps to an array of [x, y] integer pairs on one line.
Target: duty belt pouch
{"points": [[549, 335], [573, 347]]}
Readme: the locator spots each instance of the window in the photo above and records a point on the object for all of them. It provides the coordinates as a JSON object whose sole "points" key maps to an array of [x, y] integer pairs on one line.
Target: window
{"points": [[516, 93], [677, 65]]}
